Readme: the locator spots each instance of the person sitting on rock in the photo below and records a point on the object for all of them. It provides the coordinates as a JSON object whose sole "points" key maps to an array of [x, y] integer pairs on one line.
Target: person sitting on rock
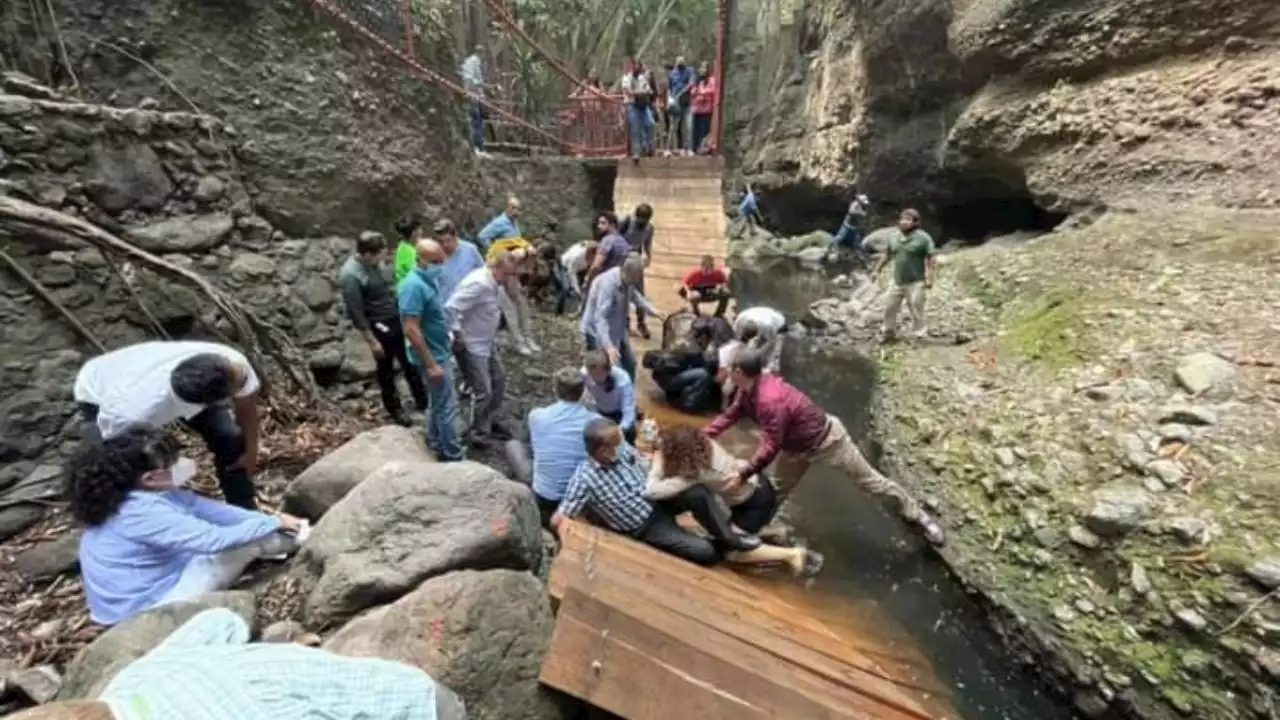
{"points": [[704, 284], [797, 432], [148, 541], [612, 482], [212, 388], [686, 372], [208, 669], [611, 391], [684, 457], [555, 432]]}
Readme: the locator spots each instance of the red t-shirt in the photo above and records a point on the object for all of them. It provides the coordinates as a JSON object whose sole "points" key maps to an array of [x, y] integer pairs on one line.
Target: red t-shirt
{"points": [[698, 277]]}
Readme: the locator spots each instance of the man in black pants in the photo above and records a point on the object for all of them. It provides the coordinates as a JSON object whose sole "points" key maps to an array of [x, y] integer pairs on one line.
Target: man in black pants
{"points": [[369, 293], [611, 483]]}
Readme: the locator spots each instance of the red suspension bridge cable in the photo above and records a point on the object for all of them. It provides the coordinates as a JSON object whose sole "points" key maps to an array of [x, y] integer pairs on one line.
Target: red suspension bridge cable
{"points": [[342, 17]]}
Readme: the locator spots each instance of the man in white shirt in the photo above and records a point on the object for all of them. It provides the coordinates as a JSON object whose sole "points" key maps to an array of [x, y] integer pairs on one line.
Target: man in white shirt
{"points": [[477, 306], [574, 264], [638, 94], [160, 382], [760, 327]]}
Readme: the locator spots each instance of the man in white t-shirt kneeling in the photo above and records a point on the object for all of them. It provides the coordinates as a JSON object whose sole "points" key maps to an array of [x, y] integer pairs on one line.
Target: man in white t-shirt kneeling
{"points": [[211, 387]]}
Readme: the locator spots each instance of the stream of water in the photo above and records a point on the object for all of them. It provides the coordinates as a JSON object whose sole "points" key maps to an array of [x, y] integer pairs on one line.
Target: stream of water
{"points": [[874, 564]]}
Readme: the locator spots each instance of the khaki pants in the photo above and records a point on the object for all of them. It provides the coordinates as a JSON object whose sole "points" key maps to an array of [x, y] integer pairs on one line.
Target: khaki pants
{"points": [[913, 293], [839, 452]]}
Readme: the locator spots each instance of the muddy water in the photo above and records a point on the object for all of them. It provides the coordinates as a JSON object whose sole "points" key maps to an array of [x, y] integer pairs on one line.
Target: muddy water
{"points": [[879, 582]]}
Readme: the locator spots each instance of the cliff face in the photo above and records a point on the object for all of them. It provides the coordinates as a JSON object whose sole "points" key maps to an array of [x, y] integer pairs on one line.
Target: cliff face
{"points": [[1071, 103]]}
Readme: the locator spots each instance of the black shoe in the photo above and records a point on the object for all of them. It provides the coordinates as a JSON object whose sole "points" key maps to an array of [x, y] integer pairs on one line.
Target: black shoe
{"points": [[742, 543]]}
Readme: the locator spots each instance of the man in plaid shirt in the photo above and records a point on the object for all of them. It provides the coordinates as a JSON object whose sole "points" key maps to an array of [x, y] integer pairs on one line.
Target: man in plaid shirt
{"points": [[611, 483]]}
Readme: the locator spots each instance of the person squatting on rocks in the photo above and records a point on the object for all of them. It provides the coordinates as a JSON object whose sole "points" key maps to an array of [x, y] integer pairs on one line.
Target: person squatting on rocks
{"points": [[705, 284], [505, 224], [797, 432], [686, 371], [212, 388], [476, 309], [576, 261], [685, 457], [555, 436], [849, 236], [430, 348], [637, 230], [148, 541], [370, 298], [914, 256], [612, 484], [611, 391], [607, 309], [208, 670], [515, 301]]}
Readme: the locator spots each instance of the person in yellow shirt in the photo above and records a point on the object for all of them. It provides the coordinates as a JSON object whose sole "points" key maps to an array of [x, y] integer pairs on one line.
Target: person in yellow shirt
{"points": [[525, 257]]}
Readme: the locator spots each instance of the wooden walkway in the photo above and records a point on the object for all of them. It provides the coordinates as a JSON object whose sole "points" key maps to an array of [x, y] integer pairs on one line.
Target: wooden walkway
{"points": [[688, 216], [647, 636]]}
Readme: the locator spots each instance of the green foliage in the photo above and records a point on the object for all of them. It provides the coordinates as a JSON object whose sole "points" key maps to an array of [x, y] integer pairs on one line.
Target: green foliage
{"points": [[1047, 330]]}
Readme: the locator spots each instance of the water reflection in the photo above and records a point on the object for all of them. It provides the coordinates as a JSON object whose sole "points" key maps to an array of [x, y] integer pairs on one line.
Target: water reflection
{"points": [[872, 558]]}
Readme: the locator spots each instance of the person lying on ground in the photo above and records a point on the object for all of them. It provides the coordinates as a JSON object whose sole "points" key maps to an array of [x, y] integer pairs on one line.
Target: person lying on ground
{"points": [[150, 542], [208, 670], [611, 391], [555, 434], [211, 387], [796, 432], [686, 372], [611, 483], [607, 307], [704, 284], [684, 457]]}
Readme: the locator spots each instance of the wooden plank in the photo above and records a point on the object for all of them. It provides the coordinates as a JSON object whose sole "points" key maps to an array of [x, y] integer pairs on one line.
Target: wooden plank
{"points": [[608, 647]]}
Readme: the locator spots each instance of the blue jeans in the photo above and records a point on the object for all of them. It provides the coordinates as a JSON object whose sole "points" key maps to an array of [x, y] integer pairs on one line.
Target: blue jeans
{"points": [[442, 432], [475, 114], [640, 124], [848, 236], [626, 358]]}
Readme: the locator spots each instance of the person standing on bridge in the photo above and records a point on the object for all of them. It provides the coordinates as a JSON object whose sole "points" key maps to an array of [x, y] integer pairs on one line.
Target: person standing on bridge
{"points": [[637, 93], [472, 73], [704, 106], [680, 81], [637, 230], [607, 309], [796, 432]]}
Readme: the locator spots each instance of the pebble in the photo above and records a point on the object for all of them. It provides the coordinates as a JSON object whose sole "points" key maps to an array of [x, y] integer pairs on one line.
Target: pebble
{"points": [[1005, 457], [1191, 619], [1167, 471], [1085, 606], [1064, 614], [1190, 530], [1202, 371], [40, 684], [1265, 571], [1083, 537], [1138, 580], [1174, 432]]}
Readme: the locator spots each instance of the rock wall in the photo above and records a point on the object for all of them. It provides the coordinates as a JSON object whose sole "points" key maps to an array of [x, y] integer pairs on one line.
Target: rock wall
{"points": [[179, 185], [1071, 103]]}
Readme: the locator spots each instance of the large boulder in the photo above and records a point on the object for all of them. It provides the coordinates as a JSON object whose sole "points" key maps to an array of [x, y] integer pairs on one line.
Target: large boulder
{"points": [[410, 521], [101, 660], [184, 233], [481, 633], [320, 486]]}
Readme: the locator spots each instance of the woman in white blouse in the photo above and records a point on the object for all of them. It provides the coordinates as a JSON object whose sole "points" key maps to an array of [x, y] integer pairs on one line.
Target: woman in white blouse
{"points": [[684, 457]]}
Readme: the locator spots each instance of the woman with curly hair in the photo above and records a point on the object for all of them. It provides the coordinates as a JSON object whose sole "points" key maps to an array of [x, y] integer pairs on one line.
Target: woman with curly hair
{"points": [[684, 457], [148, 541]]}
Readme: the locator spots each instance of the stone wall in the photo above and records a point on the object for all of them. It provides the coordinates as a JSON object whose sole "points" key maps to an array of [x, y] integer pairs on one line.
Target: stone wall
{"points": [[182, 186]]}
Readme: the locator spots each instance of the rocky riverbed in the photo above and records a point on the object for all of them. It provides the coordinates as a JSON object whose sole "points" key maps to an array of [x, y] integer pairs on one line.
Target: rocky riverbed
{"points": [[1095, 416]]}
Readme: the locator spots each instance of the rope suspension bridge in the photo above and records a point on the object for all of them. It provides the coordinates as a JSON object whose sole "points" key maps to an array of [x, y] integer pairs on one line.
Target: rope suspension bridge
{"points": [[590, 122]]}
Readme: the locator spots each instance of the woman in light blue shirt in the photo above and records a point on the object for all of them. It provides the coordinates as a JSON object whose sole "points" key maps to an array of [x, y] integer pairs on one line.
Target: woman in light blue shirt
{"points": [[149, 542]]}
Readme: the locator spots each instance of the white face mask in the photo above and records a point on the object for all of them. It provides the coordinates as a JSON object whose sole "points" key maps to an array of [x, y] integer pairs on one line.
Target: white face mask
{"points": [[182, 472]]}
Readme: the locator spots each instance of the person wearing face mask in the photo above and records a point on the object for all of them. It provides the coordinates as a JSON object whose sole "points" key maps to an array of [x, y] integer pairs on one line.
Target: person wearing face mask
{"points": [[430, 349], [611, 391], [150, 542]]}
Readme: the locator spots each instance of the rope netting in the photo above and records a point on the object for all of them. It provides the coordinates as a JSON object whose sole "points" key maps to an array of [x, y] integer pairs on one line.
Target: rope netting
{"points": [[588, 122]]}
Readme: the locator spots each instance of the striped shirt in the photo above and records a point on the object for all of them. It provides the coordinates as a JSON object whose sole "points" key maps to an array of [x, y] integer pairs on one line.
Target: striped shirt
{"points": [[208, 670], [615, 492]]}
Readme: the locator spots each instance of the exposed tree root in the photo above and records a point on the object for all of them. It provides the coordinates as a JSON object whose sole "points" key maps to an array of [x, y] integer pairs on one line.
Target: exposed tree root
{"points": [[258, 338]]}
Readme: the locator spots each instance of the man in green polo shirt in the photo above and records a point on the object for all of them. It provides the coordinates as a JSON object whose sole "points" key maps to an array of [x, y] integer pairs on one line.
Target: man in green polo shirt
{"points": [[912, 252], [409, 228]]}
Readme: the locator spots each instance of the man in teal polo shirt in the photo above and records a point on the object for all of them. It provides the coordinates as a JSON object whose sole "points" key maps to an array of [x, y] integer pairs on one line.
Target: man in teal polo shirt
{"points": [[426, 332]]}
